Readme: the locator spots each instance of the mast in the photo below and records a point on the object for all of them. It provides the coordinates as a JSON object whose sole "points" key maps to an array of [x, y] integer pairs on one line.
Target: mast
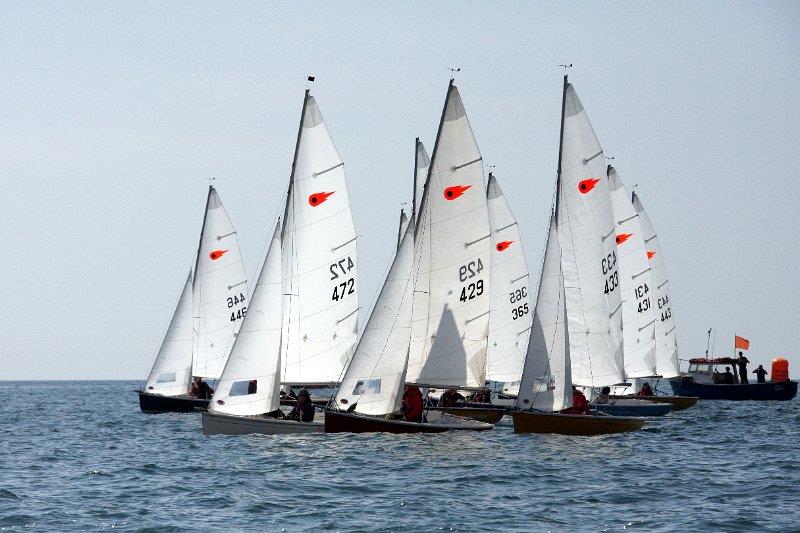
{"points": [[560, 145], [202, 230], [414, 190], [294, 160]]}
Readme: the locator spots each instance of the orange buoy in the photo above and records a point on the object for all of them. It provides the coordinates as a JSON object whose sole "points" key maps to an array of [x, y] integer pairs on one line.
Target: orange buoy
{"points": [[780, 369]]}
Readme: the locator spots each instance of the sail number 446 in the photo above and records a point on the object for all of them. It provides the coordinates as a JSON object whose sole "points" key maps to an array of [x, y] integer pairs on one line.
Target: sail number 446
{"points": [[236, 300]]}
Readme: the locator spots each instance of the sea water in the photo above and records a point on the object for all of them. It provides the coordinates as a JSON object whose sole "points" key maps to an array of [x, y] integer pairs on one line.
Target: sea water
{"points": [[80, 455]]}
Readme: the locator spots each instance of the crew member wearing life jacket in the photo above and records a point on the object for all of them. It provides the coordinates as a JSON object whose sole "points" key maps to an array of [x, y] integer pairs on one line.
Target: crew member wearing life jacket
{"points": [[411, 406], [647, 390], [760, 373], [580, 405], [200, 390]]}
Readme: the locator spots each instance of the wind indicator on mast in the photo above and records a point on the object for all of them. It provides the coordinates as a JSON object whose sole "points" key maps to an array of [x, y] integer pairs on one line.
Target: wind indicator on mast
{"points": [[566, 67], [453, 72], [310, 80]]}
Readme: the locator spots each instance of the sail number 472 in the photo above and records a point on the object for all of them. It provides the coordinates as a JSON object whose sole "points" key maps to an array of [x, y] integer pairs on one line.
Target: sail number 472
{"points": [[342, 269]]}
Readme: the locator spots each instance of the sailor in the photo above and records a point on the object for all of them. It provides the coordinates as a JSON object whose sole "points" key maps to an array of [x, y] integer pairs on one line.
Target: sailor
{"points": [[303, 410], [761, 374], [482, 396], [604, 396], [580, 406], [411, 406], [742, 362], [200, 389], [647, 390], [727, 377], [450, 397], [252, 386]]}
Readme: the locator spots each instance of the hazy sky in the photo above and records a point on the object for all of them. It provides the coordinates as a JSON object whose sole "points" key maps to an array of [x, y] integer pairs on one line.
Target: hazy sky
{"points": [[113, 115]]}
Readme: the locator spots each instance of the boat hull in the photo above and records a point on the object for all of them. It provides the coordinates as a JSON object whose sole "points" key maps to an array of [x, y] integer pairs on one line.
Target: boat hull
{"points": [[564, 424], [679, 403], [338, 422], [155, 403], [222, 424], [633, 407], [772, 390], [489, 414]]}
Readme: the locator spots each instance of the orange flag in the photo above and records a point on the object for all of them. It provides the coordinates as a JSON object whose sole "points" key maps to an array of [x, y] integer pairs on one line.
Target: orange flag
{"points": [[740, 343]]}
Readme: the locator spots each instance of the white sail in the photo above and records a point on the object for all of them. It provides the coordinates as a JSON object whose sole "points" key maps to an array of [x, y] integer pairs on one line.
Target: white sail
{"points": [[546, 379], [589, 254], [319, 260], [375, 376], [422, 162], [402, 227], [510, 317], [172, 370], [219, 289], [667, 364], [250, 382], [451, 308], [638, 318]]}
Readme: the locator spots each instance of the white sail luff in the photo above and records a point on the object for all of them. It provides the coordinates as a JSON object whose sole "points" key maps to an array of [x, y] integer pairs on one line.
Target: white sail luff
{"points": [[255, 355], [451, 306], [172, 370], [511, 315], [638, 318], [375, 376], [667, 363], [589, 260], [219, 290], [546, 383], [320, 264]]}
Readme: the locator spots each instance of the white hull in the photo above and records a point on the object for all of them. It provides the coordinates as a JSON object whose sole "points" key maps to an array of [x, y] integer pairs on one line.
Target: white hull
{"points": [[220, 424]]}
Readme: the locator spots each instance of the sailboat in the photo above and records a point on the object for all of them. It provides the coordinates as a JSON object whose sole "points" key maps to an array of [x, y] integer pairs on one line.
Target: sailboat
{"points": [[511, 315], [304, 326], [576, 332], [209, 312], [450, 323]]}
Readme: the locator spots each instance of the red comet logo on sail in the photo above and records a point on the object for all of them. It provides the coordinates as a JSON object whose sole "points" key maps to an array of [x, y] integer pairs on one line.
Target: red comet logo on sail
{"points": [[216, 254], [587, 185], [451, 193], [622, 237], [650, 254], [503, 245], [318, 197]]}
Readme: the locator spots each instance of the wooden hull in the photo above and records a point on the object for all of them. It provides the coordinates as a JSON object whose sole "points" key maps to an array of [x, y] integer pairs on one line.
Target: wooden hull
{"points": [[489, 414], [679, 403], [222, 424], [772, 390], [633, 407], [563, 424], [155, 403], [338, 422]]}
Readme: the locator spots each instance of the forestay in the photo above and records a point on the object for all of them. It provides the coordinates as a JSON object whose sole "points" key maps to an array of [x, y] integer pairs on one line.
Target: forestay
{"points": [[250, 382], [319, 259], [219, 289], [172, 369], [510, 317], [374, 379], [667, 363], [546, 379], [589, 255], [638, 319], [451, 305]]}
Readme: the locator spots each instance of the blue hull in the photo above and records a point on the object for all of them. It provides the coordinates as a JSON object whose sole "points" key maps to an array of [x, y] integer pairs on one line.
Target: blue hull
{"points": [[777, 390], [650, 409]]}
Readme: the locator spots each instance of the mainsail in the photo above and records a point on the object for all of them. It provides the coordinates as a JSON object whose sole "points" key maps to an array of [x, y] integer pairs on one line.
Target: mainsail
{"points": [[589, 252], [250, 382], [219, 289], [546, 379], [451, 305], [375, 376], [638, 319], [319, 259], [421, 164], [510, 317], [172, 369], [667, 363]]}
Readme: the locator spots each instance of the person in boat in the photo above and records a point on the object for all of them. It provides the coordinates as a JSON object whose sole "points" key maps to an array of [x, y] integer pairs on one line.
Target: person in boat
{"points": [[483, 395], [742, 362], [411, 405], [761, 374], [604, 396], [252, 386], [580, 405], [200, 390], [646, 390], [303, 410], [727, 377], [450, 398]]}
